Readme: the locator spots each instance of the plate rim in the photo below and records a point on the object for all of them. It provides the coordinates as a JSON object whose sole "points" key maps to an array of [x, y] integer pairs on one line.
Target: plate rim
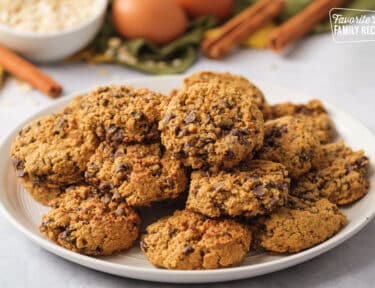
{"points": [[179, 276]]}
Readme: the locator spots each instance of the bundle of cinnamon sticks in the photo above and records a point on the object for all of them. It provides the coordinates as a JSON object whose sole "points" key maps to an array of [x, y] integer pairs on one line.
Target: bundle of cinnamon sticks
{"points": [[240, 27]]}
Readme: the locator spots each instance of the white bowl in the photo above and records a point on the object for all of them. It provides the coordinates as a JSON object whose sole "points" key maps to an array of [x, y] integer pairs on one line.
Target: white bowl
{"points": [[53, 46]]}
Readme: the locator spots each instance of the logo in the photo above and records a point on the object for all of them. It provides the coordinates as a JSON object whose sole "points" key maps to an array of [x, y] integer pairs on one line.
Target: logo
{"points": [[358, 28]]}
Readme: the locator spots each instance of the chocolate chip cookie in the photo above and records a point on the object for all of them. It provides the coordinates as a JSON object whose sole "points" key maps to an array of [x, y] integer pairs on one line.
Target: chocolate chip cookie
{"points": [[122, 114], [288, 140], [83, 222], [211, 125], [139, 173], [341, 176], [188, 240], [315, 115], [51, 153], [298, 226], [254, 188], [233, 80]]}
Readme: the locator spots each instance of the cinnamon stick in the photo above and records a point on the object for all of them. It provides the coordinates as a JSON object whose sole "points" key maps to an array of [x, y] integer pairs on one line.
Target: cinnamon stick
{"points": [[26, 71], [302, 23], [241, 26]]}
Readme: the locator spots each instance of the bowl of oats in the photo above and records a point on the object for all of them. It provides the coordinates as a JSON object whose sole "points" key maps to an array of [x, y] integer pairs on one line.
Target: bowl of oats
{"points": [[49, 30]]}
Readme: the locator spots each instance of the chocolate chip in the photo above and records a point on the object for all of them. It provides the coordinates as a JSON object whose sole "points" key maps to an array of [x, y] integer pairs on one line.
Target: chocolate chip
{"points": [[277, 131], [17, 163], [117, 197], [206, 140], [188, 250], [156, 172], [185, 132], [61, 122], [245, 131], [105, 187], [105, 102], [118, 136], [190, 117], [259, 191], [120, 212], [39, 179], [89, 174], [118, 153], [107, 198], [281, 185], [305, 155], [192, 142], [168, 116], [66, 236], [225, 126], [229, 155], [235, 132], [172, 232], [362, 161], [143, 245], [93, 166], [237, 182], [349, 168], [171, 183], [138, 115], [239, 132], [176, 130], [243, 141], [111, 129], [123, 167], [273, 202], [180, 155], [20, 172], [217, 186]]}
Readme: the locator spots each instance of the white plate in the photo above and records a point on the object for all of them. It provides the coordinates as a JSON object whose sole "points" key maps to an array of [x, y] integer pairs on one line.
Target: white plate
{"points": [[25, 213]]}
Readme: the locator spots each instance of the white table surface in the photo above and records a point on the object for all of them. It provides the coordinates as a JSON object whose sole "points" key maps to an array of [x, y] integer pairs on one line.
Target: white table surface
{"points": [[343, 74]]}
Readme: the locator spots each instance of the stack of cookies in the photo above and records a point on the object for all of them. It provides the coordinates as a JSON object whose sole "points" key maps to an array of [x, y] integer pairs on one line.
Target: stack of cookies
{"points": [[253, 176]]}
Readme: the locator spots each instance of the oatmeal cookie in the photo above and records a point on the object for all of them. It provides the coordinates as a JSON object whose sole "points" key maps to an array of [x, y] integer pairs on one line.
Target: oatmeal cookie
{"points": [[43, 192], [122, 114], [254, 188], [233, 80], [298, 226], [288, 140], [83, 222], [315, 115], [188, 240], [211, 125], [341, 176], [139, 173], [51, 153]]}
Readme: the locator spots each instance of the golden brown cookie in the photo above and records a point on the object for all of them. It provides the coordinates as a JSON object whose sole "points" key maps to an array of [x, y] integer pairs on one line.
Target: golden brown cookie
{"points": [[254, 188], [289, 141], [83, 222], [232, 80], [122, 114], [188, 241], [51, 153], [298, 226], [341, 176], [315, 115], [139, 173], [211, 125]]}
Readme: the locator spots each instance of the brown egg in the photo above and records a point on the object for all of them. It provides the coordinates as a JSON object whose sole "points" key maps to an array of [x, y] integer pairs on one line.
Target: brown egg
{"points": [[196, 8], [159, 21]]}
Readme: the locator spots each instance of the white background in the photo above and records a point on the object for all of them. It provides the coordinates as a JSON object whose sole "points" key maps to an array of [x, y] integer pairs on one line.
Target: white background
{"points": [[343, 74]]}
